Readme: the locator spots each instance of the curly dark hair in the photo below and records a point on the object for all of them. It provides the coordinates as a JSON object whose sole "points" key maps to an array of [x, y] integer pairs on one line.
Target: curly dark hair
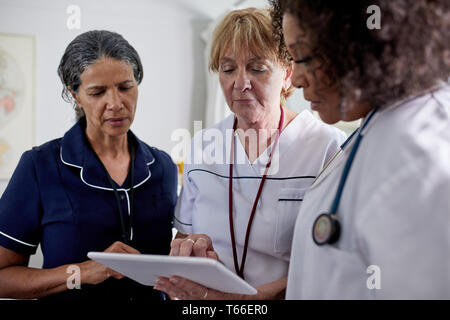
{"points": [[410, 53]]}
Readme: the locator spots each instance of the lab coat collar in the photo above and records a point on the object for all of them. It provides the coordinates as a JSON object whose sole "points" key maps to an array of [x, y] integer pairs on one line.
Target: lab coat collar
{"points": [[348, 139], [76, 153]]}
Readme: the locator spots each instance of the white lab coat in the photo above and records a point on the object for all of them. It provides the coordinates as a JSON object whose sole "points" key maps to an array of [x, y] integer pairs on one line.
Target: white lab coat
{"points": [[394, 211], [304, 147]]}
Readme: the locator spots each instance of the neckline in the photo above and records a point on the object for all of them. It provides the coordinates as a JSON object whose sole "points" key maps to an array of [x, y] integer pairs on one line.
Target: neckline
{"points": [[265, 152]]}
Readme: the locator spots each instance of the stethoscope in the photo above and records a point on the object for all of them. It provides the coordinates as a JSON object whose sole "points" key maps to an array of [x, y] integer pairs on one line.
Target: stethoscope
{"points": [[326, 228], [127, 233], [240, 270]]}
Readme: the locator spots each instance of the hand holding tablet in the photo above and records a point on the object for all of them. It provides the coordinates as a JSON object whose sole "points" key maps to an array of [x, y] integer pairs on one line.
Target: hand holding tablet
{"points": [[145, 269]]}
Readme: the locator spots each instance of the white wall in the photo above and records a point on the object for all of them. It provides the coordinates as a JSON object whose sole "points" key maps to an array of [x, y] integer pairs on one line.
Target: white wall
{"points": [[166, 36]]}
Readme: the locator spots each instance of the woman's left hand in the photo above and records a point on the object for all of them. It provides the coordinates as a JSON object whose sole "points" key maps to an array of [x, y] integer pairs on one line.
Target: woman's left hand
{"points": [[182, 289]]}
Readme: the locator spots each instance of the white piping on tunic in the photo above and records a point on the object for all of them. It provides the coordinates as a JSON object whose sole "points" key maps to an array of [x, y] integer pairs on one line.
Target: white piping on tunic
{"points": [[103, 188], [12, 238], [128, 203], [109, 189]]}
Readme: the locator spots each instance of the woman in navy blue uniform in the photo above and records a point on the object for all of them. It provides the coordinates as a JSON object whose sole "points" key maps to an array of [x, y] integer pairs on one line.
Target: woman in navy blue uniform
{"points": [[98, 188]]}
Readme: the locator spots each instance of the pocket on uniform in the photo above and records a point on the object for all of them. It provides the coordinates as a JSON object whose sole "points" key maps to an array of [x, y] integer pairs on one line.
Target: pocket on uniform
{"points": [[344, 273], [56, 206], [288, 206]]}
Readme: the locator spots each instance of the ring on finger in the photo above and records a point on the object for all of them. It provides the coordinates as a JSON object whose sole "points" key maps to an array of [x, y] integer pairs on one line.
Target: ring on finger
{"points": [[205, 295], [189, 239]]}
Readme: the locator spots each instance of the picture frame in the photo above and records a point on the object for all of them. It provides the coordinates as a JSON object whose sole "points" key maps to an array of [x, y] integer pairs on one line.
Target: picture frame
{"points": [[17, 101]]}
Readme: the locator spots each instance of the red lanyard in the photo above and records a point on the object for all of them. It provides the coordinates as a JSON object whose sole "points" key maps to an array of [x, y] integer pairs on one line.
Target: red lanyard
{"points": [[240, 271]]}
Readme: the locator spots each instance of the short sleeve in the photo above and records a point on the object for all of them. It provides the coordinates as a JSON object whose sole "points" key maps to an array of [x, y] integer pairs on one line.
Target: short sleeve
{"points": [[20, 209], [184, 208], [185, 205]]}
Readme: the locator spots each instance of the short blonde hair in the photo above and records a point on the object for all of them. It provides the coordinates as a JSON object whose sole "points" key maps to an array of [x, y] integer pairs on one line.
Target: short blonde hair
{"points": [[248, 29]]}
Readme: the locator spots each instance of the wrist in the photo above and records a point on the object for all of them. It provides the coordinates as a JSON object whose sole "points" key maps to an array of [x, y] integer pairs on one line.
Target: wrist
{"points": [[85, 272]]}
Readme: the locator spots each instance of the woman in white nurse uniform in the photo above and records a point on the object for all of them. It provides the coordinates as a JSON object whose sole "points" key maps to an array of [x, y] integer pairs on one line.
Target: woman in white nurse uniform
{"points": [[375, 223], [234, 202]]}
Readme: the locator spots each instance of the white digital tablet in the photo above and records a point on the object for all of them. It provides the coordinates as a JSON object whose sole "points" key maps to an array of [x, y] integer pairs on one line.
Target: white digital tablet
{"points": [[145, 269]]}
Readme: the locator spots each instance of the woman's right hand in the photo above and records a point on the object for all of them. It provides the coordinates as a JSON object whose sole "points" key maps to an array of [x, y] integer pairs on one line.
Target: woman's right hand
{"points": [[197, 245], [93, 272]]}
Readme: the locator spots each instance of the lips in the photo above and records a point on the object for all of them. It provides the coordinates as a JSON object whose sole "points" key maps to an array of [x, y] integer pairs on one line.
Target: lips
{"points": [[116, 121], [243, 100], [314, 105]]}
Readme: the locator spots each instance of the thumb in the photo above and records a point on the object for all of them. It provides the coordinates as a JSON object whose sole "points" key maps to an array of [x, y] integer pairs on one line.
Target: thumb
{"points": [[212, 255], [115, 274]]}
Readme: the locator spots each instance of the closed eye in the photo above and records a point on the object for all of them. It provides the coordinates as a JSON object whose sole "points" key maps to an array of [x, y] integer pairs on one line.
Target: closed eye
{"points": [[96, 94], [125, 88], [304, 60]]}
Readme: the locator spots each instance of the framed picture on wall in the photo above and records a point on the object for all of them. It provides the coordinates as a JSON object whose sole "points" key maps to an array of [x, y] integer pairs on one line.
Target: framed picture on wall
{"points": [[17, 65]]}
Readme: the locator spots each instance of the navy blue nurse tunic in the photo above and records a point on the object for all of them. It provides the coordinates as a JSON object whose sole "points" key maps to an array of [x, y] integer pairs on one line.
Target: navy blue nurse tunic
{"points": [[59, 197]]}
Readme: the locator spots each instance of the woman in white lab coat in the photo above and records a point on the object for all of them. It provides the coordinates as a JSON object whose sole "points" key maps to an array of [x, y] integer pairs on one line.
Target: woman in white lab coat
{"points": [[214, 211], [376, 222]]}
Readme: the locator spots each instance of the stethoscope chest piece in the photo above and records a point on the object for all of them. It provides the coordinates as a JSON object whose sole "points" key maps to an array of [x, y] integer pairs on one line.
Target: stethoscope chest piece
{"points": [[326, 229]]}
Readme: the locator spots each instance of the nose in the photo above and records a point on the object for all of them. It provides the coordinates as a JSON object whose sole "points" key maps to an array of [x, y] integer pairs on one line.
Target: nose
{"points": [[299, 79], [242, 81], [114, 103]]}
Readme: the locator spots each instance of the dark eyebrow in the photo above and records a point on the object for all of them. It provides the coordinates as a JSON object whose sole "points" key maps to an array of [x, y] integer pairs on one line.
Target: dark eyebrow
{"points": [[298, 43], [96, 88], [124, 82]]}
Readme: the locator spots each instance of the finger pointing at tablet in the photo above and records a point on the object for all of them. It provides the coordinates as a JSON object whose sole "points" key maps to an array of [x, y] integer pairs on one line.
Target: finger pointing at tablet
{"points": [[199, 245]]}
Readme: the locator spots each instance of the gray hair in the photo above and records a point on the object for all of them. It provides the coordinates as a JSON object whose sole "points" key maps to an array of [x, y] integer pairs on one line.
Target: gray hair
{"points": [[86, 49]]}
